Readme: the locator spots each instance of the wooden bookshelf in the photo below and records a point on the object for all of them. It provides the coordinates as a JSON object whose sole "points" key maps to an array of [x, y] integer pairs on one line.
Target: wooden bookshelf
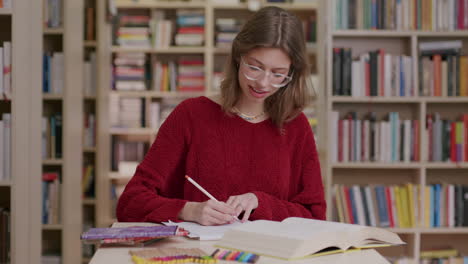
{"points": [[212, 56], [421, 172], [20, 187], [65, 38]]}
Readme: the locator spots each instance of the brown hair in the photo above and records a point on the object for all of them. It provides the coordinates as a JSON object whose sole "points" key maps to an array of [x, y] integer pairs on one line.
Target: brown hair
{"points": [[271, 27]]}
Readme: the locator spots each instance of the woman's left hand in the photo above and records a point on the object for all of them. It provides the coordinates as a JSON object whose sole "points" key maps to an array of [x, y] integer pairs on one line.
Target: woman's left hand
{"points": [[245, 202]]}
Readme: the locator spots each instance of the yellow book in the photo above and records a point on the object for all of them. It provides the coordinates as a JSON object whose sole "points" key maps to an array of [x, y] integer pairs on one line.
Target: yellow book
{"points": [[338, 203], [463, 76], [411, 202], [439, 253], [405, 206], [427, 206], [399, 206]]}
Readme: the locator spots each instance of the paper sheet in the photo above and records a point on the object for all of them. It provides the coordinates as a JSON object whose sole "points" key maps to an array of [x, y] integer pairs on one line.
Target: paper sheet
{"points": [[204, 232]]}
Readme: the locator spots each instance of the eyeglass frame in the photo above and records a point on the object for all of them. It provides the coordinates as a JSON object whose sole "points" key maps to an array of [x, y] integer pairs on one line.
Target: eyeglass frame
{"points": [[266, 72]]}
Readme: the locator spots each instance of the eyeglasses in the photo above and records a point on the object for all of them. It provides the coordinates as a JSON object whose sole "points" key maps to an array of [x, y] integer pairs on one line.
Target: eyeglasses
{"points": [[255, 73]]}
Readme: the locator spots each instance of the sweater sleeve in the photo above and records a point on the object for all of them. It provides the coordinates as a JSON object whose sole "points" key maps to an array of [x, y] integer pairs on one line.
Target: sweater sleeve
{"points": [[148, 196], [309, 201]]}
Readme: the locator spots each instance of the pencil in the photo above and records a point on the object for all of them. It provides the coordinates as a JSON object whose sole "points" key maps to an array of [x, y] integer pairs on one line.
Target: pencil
{"points": [[205, 192], [201, 188]]}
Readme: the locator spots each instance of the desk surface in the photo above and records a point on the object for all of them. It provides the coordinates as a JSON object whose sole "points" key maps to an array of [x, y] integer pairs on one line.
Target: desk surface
{"points": [[120, 255]]}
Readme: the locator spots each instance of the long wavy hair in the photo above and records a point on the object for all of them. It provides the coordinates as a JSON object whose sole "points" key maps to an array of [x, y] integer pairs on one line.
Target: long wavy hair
{"points": [[271, 27]]}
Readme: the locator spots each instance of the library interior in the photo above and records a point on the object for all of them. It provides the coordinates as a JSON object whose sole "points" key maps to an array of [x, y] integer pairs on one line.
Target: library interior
{"points": [[85, 85]]}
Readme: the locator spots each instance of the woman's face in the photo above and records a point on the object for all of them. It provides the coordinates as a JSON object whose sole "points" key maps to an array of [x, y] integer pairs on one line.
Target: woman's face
{"points": [[261, 71]]}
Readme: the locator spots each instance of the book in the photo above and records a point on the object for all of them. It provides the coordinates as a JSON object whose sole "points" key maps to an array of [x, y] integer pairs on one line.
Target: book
{"points": [[296, 238], [132, 232]]}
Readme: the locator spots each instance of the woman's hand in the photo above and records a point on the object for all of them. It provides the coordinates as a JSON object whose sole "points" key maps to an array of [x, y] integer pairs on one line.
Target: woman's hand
{"points": [[208, 213], [245, 202]]}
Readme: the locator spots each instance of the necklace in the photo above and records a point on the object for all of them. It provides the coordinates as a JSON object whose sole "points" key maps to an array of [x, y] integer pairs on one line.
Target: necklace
{"points": [[247, 117]]}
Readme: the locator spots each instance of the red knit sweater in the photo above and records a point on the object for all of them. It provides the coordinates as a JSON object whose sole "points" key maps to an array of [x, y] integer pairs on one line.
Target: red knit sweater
{"points": [[227, 156]]}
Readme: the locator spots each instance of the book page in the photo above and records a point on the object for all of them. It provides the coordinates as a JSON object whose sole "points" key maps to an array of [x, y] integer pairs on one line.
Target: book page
{"points": [[355, 235], [204, 232]]}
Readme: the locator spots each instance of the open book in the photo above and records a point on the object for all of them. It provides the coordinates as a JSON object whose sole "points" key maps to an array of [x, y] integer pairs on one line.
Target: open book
{"points": [[300, 237]]}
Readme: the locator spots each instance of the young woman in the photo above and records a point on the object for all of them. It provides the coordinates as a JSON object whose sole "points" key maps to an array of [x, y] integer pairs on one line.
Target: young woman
{"points": [[251, 147]]}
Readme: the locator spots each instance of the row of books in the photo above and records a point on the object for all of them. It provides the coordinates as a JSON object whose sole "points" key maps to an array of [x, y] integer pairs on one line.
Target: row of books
{"points": [[447, 140], [127, 112], [398, 206], [362, 140], [443, 70], [51, 193], [90, 75], [88, 182], [377, 205], [5, 147], [436, 15], [90, 22], [6, 3], [53, 73], [52, 13], [375, 73], [89, 139], [190, 25], [5, 235], [135, 72], [5, 70], [127, 150], [51, 137], [226, 30]]}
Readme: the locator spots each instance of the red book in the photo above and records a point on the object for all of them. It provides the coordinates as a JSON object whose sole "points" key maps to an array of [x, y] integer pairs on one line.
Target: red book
{"points": [[348, 205], [465, 125], [453, 142], [429, 136], [191, 30], [49, 176], [461, 14], [389, 206], [340, 140], [367, 76], [437, 60]]}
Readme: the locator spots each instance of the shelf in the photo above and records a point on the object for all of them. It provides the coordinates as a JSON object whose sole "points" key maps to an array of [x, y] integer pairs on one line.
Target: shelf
{"points": [[446, 165], [133, 131], [5, 12], [444, 230], [158, 4], [52, 227], [371, 33], [53, 31], [52, 162], [313, 5], [5, 183], [153, 94], [89, 149], [437, 99], [375, 99], [376, 165], [89, 201], [90, 97], [51, 97], [396, 33], [238, 6], [90, 43], [169, 50], [117, 176]]}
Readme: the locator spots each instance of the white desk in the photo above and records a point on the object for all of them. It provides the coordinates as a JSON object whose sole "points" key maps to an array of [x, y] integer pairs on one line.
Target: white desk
{"points": [[120, 255]]}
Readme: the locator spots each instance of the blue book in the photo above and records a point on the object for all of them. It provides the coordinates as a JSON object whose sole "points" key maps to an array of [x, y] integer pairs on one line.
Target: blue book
{"points": [[382, 206]]}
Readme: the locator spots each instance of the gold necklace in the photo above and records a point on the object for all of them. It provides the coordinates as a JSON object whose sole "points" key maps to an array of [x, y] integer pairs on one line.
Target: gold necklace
{"points": [[247, 117]]}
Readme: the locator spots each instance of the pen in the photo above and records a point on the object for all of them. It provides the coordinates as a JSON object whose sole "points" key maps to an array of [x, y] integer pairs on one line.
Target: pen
{"points": [[204, 191]]}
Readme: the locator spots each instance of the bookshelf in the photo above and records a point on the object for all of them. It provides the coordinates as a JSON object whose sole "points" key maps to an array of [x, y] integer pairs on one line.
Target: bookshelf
{"points": [[19, 185], [89, 123], [343, 167], [211, 55], [61, 130]]}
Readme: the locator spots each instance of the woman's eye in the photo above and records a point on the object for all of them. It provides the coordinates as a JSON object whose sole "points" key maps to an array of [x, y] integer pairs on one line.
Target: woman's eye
{"points": [[255, 68]]}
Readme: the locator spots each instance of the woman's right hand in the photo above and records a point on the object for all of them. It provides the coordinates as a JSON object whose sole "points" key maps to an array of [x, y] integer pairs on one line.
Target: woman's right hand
{"points": [[208, 213]]}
